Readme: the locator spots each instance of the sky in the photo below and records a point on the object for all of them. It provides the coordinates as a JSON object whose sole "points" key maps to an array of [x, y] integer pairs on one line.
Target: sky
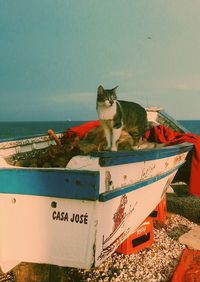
{"points": [[55, 53]]}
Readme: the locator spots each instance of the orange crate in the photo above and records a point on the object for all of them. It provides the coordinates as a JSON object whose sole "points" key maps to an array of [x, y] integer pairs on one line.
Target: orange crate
{"points": [[140, 239], [159, 213]]}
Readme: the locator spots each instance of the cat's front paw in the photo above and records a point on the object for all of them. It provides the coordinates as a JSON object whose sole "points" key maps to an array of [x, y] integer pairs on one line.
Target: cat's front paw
{"points": [[114, 149]]}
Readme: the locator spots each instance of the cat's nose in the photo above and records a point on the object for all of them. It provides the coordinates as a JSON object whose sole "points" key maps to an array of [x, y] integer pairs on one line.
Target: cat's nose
{"points": [[111, 102]]}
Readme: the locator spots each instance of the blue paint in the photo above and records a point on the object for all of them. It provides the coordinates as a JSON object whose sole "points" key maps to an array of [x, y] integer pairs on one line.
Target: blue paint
{"points": [[120, 191], [82, 185], [117, 158]]}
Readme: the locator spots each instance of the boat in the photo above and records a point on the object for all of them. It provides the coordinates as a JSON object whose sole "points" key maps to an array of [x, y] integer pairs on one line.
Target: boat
{"points": [[77, 216]]}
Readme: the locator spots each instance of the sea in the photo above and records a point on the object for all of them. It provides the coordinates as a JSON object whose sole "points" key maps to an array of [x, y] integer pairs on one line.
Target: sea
{"points": [[10, 130], [17, 130]]}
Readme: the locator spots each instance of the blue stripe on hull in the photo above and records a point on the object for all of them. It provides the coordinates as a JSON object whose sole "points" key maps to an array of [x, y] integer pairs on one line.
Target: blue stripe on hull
{"points": [[82, 185], [118, 158]]}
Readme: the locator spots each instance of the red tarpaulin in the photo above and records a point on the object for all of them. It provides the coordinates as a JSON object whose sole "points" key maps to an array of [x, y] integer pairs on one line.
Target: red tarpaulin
{"points": [[162, 134], [188, 269], [80, 130]]}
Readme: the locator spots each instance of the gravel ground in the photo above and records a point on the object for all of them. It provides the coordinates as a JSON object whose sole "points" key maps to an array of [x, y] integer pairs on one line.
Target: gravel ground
{"points": [[153, 264]]}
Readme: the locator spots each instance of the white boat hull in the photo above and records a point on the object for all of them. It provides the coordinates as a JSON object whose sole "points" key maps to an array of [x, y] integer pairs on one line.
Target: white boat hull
{"points": [[78, 216], [74, 233]]}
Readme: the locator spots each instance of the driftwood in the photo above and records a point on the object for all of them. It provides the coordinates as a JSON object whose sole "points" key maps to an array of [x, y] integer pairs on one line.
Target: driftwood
{"points": [[34, 272]]}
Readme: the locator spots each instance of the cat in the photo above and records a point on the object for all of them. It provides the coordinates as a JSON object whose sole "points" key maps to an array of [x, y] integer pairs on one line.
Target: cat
{"points": [[116, 115]]}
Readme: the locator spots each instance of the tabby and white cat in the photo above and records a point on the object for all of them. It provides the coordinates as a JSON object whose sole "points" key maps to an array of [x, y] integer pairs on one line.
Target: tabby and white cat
{"points": [[116, 115]]}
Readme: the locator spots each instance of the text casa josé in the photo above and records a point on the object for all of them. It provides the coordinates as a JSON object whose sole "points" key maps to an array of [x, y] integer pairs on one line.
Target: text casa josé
{"points": [[74, 217]]}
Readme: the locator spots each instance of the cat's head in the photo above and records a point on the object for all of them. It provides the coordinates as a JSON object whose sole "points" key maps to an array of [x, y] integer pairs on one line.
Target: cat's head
{"points": [[106, 97]]}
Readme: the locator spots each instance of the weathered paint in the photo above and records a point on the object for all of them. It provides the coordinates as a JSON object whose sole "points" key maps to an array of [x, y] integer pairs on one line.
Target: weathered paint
{"points": [[131, 174], [118, 217], [120, 191]]}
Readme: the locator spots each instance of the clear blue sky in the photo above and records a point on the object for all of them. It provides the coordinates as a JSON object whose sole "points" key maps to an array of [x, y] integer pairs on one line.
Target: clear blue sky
{"points": [[55, 53]]}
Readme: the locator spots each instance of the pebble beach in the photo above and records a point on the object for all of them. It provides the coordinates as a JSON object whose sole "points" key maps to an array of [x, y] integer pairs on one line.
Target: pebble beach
{"points": [[152, 264]]}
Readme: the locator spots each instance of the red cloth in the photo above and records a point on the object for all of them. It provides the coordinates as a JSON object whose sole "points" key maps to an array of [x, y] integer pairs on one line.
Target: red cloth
{"points": [[188, 269], [162, 134], [81, 130]]}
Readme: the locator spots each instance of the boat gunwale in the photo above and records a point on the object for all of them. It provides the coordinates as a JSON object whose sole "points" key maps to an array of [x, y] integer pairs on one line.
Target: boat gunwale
{"points": [[108, 158], [117, 158], [172, 121]]}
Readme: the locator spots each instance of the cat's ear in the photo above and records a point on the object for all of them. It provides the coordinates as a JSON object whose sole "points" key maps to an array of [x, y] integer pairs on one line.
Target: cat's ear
{"points": [[114, 89], [100, 90]]}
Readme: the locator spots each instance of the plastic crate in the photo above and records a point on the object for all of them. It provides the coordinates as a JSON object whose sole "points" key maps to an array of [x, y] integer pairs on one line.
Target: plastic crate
{"points": [[140, 239], [160, 212]]}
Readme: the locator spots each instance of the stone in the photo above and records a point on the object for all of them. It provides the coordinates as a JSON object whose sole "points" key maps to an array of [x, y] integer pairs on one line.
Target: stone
{"points": [[170, 189], [191, 238]]}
